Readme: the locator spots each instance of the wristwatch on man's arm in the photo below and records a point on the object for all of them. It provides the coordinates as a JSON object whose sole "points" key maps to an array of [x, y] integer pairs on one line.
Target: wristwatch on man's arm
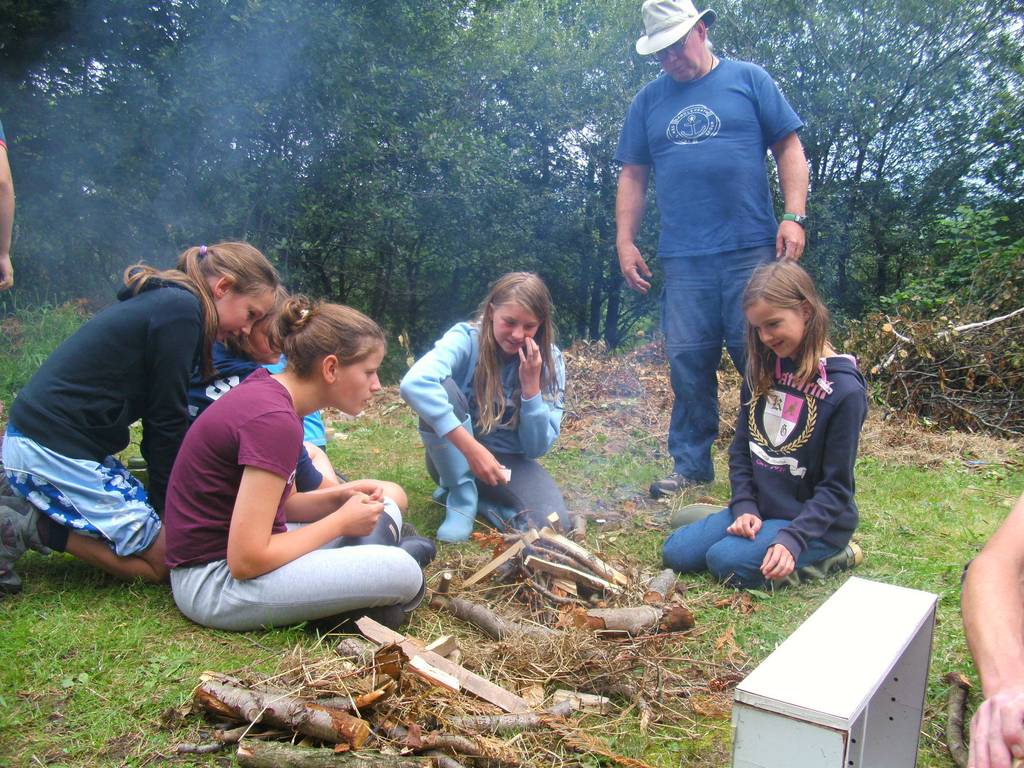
{"points": [[798, 218]]}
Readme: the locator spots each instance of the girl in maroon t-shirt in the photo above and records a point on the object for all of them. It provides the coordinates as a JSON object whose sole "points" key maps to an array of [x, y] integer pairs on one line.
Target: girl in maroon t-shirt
{"points": [[244, 551]]}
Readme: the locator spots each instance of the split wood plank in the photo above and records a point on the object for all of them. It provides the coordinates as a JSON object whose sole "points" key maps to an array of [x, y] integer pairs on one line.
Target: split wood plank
{"points": [[469, 681], [599, 566], [565, 572], [528, 538], [443, 646]]}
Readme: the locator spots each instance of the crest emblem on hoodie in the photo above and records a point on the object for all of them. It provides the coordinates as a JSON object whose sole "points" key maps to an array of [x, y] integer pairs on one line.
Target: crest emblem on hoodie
{"points": [[782, 421]]}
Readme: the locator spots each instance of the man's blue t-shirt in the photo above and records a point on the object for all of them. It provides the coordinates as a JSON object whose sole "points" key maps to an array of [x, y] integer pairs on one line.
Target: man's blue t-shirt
{"points": [[707, 141]]}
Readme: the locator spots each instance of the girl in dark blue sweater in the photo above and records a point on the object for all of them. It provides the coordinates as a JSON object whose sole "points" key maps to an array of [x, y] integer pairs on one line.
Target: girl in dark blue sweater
{"points": [[791, 462], [129, 362]]}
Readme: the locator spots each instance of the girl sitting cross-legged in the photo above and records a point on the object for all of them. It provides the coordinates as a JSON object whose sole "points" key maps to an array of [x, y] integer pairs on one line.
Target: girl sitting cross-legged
{"points": [[244, 551], [791, 461]]}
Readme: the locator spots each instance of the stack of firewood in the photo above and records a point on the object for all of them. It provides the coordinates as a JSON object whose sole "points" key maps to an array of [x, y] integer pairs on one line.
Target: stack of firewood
{"points": [[563, 573]]}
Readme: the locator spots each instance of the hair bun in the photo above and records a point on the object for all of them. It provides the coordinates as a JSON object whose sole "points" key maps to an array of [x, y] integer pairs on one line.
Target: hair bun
{"points": [[297, 312]]}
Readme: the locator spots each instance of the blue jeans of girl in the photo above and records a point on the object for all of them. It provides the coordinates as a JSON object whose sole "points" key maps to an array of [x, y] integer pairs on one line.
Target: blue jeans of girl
{"points": [[734, 560], [702, 305]]}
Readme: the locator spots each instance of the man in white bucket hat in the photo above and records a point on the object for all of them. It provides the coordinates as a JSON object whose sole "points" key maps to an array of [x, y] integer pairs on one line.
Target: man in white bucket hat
{"points": [[704, 126]]}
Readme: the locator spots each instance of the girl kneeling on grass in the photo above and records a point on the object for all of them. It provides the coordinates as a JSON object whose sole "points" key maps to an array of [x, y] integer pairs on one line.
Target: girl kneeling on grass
{"points": [[791, 462], [235, 561], [130, 361], [500, 378]]}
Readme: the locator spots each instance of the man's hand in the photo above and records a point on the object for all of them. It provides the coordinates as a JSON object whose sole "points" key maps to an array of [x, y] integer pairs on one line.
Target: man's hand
{"points": [[746, 525], [6, 272], [778, 563], [789, 242], [633, 267], [997, 730]]}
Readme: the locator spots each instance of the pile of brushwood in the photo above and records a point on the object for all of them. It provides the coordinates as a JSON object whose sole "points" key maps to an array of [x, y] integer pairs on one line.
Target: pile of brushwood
{"points": [[947, 370], [531, 661]]}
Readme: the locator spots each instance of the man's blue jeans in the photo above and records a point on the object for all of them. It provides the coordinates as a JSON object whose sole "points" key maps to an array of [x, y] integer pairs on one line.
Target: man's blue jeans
{"points": [[701, 307], [705, 546]]}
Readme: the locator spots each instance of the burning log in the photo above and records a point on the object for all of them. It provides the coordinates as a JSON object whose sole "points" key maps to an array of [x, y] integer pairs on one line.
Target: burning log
{"points": [[661, 587], [638, 620], [254, 754], [280, 711]]}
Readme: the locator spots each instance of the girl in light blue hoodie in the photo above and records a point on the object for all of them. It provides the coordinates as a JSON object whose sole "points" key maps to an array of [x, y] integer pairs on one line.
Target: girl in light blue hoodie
{"points": [[490, 396]]}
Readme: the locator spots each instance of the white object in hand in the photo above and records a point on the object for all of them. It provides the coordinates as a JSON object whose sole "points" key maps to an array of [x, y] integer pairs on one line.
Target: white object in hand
{"points": [[507, 474]]}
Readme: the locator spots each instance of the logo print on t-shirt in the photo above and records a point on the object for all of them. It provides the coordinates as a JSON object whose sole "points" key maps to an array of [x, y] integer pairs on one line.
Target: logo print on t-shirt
{"points": [[781, 415], [693, 125]]}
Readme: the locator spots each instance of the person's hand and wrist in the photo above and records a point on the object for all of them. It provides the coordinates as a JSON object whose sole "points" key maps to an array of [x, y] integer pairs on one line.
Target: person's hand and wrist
{"points": [[778, 563], [791, 237], [530, 363], [6, 272], [484, 465], [358, 516], [370, 488], [746, 525], [633, 267], [997, 728]]}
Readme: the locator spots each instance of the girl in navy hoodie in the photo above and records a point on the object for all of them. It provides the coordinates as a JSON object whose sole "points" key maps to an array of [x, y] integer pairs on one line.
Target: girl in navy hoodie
{"points": [[129, 362], [791, 462]]}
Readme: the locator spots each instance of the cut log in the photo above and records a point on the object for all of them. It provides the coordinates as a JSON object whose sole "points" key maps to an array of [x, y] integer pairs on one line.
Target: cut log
{"points": [[661, 587], [579, 528], [434, 675], [492, 624], [255, 754], [501, 724], [356, 649], [573, 574], [514, 549], [582, 702], [278, 711], [637, 620], [470, 682], [592, 561]]}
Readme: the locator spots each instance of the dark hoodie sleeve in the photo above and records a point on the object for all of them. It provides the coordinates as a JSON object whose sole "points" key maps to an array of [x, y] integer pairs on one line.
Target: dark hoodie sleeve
{"points": [[172, 339], [833, 495], [741, 471]]}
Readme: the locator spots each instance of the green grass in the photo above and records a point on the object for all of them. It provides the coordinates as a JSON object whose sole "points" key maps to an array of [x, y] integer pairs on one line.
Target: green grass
{"points": [[26, 340], [89, 666]]}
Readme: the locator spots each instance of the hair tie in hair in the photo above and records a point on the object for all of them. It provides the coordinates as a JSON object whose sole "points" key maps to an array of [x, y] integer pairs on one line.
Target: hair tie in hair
{"points": [[303, 314], [202, 251]]}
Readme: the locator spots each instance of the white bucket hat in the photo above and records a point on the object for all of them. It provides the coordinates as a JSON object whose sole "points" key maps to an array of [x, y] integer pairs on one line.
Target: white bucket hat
{"points": [[666, 21]]}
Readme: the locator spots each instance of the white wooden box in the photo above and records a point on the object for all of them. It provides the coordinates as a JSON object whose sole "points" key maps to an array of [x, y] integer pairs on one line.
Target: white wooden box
{"points": [[846, 690]]}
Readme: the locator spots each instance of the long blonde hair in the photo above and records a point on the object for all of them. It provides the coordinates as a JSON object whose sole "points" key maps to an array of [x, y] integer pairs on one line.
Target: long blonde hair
{"points": [[248, 270], [528, 291], [784, 284], [311, 330]]}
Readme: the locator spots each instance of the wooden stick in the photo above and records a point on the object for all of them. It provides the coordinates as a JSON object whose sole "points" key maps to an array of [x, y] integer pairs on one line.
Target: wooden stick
{"points": [[514, 549], [471, 682], [596, 564], [255, 754], [492, 624], [565, 572], [661, 587], [280, 711], [500, 724], [637, 620], [579, 528], [584, 702], [955, 707]]}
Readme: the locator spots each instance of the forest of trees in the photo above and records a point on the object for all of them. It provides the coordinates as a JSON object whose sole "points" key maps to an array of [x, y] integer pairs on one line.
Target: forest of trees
{"points": [[398, 155]]}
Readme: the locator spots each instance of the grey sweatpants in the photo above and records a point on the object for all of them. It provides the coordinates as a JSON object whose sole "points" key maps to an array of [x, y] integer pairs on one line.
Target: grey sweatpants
{"points": [[323, 583]]}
